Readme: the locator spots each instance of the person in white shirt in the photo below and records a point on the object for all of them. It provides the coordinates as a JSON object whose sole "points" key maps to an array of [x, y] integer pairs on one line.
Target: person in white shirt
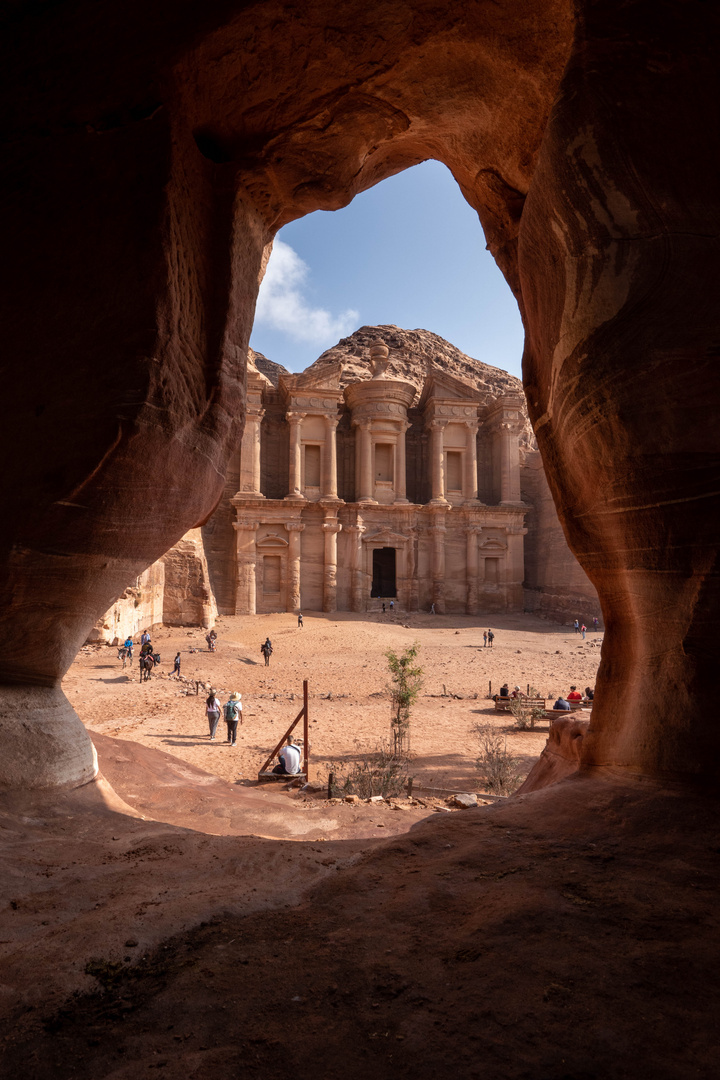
{"points": [[289, 762]]}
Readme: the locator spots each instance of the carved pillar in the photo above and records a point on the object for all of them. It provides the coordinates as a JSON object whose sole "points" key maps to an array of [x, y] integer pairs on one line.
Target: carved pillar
{"points": [[330, 487], [357, 598], [294, 528], [246, 555], [331, 528], [400, 466], [470, 481], [509, 463], [250, 454], [471, 563], [437, 455], [438, 565], [365, 463], [295, 419]]}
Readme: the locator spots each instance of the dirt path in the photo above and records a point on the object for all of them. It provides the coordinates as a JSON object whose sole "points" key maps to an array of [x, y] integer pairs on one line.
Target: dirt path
{"points": [[342, 656]]}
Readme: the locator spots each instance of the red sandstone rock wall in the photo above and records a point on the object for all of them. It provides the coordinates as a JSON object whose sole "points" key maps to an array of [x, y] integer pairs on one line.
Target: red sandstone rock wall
{"points": [[152, 151], [556, 586]]}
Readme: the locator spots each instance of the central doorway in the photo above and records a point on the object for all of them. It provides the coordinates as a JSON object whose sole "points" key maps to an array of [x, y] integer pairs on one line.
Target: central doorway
{"points": [[383, 577]]}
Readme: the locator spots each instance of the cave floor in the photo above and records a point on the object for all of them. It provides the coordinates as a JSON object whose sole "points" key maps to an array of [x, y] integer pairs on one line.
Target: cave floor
{"points": [[570, 933]]}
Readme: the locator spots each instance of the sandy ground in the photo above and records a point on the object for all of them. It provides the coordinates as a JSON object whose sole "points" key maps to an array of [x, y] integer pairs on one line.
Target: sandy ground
{"points": [[169, 917], [342, 657]]}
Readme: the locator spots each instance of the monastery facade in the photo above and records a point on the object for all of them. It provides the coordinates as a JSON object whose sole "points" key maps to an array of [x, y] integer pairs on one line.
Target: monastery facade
{"points": [[355, 496]]}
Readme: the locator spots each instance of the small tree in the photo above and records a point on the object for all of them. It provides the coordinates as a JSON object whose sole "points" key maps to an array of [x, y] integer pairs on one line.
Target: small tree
{"points": [[407, 682]]}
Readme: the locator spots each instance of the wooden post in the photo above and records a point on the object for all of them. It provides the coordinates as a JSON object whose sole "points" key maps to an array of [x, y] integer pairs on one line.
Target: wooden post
{"points": [[306, 737], [489, 689], [331, 781]]}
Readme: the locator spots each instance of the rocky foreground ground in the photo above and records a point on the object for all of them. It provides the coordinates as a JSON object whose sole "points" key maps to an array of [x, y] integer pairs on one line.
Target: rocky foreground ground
{"points": [[213, 929]]}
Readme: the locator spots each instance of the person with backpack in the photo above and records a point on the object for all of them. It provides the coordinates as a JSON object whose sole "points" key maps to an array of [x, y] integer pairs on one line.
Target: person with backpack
{"points": [[266, 649], [233, 714], [212, 708]]}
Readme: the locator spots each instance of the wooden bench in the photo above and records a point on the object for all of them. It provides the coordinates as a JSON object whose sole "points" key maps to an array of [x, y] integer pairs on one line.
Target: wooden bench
{"points": [[559, 713], [503, 704], [270, 775]]}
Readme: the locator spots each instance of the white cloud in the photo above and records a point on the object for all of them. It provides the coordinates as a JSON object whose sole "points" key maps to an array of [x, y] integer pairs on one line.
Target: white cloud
{"points": [[282, 306]]}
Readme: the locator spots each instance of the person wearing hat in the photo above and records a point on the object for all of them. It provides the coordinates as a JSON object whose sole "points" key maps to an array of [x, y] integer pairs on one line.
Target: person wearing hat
{"points": [[233, 714], [213, 709], [516, 693]]}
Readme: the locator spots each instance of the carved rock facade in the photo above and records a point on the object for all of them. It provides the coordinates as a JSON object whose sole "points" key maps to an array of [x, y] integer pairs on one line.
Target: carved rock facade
{"points": [[355, 496]]}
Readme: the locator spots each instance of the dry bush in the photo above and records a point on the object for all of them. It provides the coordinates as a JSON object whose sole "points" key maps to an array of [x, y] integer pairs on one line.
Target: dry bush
{"points": [[495, 763], [375, 772]]}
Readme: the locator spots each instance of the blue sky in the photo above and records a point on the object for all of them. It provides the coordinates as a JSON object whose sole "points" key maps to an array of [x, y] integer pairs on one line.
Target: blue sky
{"points": [[409, 251]]}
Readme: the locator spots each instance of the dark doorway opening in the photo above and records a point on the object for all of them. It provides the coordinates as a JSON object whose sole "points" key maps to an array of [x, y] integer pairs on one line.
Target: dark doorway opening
{"points": [[383, 581]]}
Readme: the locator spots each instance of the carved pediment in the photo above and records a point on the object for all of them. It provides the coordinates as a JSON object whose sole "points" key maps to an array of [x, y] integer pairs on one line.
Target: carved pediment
{"points": [[386, 538], [492, 546], [272, 540]]}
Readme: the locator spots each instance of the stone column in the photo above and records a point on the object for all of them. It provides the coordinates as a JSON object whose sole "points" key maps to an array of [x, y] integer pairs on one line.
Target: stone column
{"points": [[331, 528], [250, 455], [356, 572], [509, 463], [515, 567], [438, 565], [470, 483], [365, 462], [295, 419], [293, 601], [246, 586], [471, 563], [400, 466], [330, 487], [437, 455]]}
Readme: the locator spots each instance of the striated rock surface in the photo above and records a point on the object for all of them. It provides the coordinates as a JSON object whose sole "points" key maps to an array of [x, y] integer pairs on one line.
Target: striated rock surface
{"points": [[188, 598], [153, 153], [268, 368]]}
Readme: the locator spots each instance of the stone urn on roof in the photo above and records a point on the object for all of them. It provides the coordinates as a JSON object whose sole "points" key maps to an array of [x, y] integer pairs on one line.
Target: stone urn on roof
{"points": [[379, 359]]}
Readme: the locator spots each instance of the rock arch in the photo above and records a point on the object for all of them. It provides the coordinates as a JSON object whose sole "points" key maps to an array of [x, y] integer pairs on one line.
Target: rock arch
{"points": [[154, 154]]}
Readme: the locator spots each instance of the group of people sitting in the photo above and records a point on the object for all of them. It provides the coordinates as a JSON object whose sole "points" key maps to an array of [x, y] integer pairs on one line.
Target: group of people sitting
{"points": [[574, 698]]}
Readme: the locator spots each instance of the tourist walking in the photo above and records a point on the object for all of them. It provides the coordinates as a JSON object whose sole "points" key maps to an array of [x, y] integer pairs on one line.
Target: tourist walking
{"points": [[595, 624], [212, 708], [233, 714], [300, 622], [583, 628], [491, 638], [211, 639], [576, 626], [484, 639], [432, 609], [176, 665], [392, 605], [266, 649], [383, 607]]}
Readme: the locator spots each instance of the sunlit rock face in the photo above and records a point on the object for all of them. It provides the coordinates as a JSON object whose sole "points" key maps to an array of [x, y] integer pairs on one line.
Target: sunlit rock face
{"points": [[154, 151]]}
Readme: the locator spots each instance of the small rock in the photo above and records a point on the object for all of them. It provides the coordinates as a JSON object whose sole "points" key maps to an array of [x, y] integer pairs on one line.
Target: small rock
{"points": [[464, 800], [442, 810], [376, 799], [353, 799], [131, 943]]}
